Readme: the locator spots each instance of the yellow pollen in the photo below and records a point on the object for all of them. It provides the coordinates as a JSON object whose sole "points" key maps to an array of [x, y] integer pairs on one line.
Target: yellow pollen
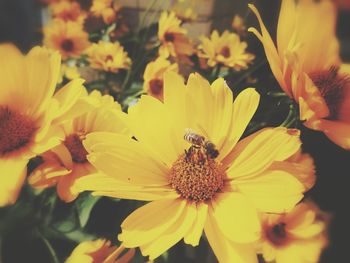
{"points": [[197, 178]]}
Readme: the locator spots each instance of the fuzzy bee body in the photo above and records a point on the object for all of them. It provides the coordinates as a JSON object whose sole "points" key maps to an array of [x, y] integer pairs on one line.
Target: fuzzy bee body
{"points": [[198, 141]]}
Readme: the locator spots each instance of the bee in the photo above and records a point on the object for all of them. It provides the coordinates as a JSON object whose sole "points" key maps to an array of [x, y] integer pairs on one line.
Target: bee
{"points": [[198, 142]]}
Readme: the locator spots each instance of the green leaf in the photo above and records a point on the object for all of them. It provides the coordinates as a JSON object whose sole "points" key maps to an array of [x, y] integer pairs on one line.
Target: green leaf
{"points": [[84, 207]]}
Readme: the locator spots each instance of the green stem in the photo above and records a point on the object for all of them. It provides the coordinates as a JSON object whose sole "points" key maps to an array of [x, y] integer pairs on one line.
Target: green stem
{"points": [[49, 248], [249, 72], [290, 117]]}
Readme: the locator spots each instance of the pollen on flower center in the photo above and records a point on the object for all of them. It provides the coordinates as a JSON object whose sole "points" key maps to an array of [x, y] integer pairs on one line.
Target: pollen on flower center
{"points": [[197, 179], [225, 52], [16, 130], [76, 148], [277, 234], [332, 86], [156, 86], [67, 45]]}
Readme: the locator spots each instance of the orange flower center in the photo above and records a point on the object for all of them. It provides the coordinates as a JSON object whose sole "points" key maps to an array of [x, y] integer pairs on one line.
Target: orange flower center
{"points": [[67, 45], [16, 130], [156, 86], [109, 58], [225, 52], [169, 37], [332, 86], [196, 176], [277, 234], [76, 148]]}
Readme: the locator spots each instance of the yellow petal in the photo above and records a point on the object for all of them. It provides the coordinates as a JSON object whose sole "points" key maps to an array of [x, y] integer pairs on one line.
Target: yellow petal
{"points": [[225, 250], [195, 233], [142, 226], [338, 132], [241, 224]]}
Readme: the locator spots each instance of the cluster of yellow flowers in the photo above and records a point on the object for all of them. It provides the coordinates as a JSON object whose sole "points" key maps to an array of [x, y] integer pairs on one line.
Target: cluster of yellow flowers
{"points": [[180, 147]]}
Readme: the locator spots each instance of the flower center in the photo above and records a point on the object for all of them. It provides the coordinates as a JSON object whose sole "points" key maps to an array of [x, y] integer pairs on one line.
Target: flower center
{"points": [[169, 37], [277, 234], [332, 86], [76, 148], [156, 86], [67, 45], [109, 58], [225, 52], [196, 176], [16, 130]]}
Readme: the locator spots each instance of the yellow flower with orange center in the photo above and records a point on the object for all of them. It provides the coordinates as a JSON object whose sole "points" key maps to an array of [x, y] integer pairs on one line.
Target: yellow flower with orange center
{"points": [[28, 108], [188, 161], [309, 72], [105, 9], [66, 162], [67, 10], [297, 236], [67, 37], [153, 76], [227, 50], [108, 56], [99, 251], [175, 41]]}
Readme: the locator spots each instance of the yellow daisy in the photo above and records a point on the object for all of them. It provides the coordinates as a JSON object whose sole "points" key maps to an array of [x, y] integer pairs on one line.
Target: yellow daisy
{"points": [[192, 186], [298, 236], [308, 67], [238, 24], [105, 9], [27, 110], [153, 76], [175, 41], [185, 10], [99, 251], [67, 10], [108, 56], [66, 162], [67, 37], [227, 50]]}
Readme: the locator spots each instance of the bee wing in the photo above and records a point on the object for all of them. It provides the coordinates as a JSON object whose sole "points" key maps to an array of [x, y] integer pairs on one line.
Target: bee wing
{"points": [[202, 131]]}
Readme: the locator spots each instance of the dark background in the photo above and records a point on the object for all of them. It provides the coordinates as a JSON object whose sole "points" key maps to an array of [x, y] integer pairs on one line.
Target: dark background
{"points": [[20, 24]]}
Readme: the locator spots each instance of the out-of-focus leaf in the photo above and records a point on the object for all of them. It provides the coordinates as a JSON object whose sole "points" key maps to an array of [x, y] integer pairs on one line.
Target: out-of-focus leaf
{"points": [[84, 206]]}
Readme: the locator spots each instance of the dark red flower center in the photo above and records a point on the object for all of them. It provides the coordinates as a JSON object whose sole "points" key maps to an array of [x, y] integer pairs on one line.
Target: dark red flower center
{"points": [[169, 37], [225, 52], [16, 130], [67, 45], [332, 86], [156, 86], [76, 148], [277, 234]]}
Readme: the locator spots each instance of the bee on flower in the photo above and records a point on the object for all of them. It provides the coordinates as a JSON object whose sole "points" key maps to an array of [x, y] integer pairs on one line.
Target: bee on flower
{"points": [[311, 74], [189, 188], [173, 37], [153, 76], [226, 49], [108, 56], [63, 164], [100, 251], [68, 38]]}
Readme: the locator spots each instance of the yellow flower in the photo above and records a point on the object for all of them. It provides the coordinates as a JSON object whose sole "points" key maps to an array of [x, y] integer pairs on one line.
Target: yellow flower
{"points": [[99, 251], [173, 37], [185, 10], [27, 109], [105, 9], [67, 37], [69, 72], [108, 56], [308, 67], [153, 76], [238, 25], [227, 50], [218, 186], [298, 236], [66, 162], [67, 10]]}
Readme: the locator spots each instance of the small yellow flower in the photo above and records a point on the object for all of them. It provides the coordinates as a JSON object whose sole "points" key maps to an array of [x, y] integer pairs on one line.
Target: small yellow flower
{"points": [[185, 10], [309, 72], [153, 76], [66, 162], [227, 50], [99, 251], [188, 161], [108, 56], [67, 10], [175, 41], [67, 37], [105, 9], [298, 236], [28, 107], [238, 25]]}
